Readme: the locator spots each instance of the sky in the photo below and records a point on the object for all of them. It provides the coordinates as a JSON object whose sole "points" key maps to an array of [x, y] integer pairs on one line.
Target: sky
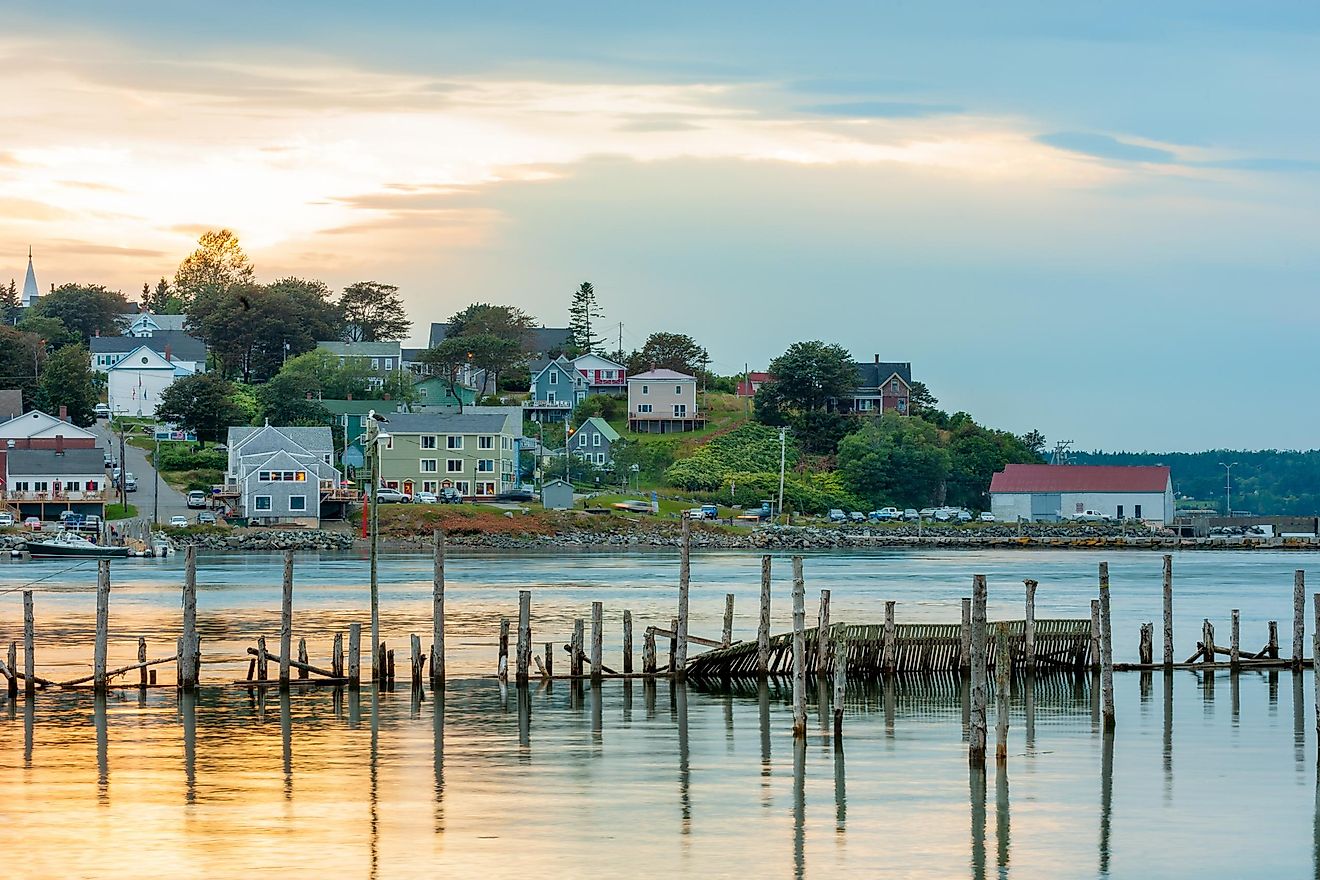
{"points": [[1096, 220]]}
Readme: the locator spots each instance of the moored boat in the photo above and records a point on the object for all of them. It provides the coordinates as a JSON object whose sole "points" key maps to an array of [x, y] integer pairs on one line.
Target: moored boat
{"points": [[68, 544]]}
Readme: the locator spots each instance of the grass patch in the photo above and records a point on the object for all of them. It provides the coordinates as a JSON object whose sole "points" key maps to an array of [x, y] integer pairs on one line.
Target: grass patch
{"points": [[120, 511], [186, 481]]}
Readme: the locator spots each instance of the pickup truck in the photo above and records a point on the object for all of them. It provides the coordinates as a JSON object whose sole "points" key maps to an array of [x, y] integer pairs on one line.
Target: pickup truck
{"points": [[756, 514], [705, 511]]}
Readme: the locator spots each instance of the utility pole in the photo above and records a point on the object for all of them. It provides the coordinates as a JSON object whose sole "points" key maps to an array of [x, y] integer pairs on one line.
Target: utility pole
{"points": [[567, 472], [620, 340], [783, 432], [377, 674], [123, 464], [155, 495], [1228, 487]]}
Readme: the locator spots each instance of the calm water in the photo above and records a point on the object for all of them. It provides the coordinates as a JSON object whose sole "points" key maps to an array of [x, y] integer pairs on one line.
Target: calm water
{"points": [[630, 778]]}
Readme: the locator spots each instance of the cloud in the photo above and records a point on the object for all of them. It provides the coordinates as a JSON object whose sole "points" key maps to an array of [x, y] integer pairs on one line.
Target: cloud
{"points": [[883, 109], [1103, 146], [1263, 164]]}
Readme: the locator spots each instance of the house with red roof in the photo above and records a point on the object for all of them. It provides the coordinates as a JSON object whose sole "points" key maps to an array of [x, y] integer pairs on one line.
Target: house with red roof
{"points": [[1054, 492]]}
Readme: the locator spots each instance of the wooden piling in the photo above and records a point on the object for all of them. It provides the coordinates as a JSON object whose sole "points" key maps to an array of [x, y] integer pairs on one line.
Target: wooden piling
{"points": [[840, 681], [1315, 654], [977, 656], [1002, 666], [575, 647], [354, 654], [1299, 617], [684, 576], [1168, 611], [302, 658], [1207, 641], [337, 656], [13, 670], [890, 663], [286, 619], [726, 637], [142, 659], [502, 665], [673, 642], [1095, 634], [763, 626], [438, 609], [1106, 649], [389, 664], [190, 662], [102, 624], [627, 643], [648, 652], [597, 624], [416, 661], [1029, 625], [822, 630], [261, 658], [1273, 648], [1146, 646], [524, 656], [549, 659], [799, 660], [1235, 645], [965, 636]]}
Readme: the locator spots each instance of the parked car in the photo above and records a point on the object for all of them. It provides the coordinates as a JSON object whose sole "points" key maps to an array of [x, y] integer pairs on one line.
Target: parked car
{"points": [[694, 513], [450, 495], [425, 498], [102, 411], [836, 516], [962, 516], [857, 516], [1088, 516], [6, 519], [516, 495], [705, 511], [206, 518], [196, 499], [633, 506], [987, 517], [885, 514], [69, 518], [757, 514], [114, 475], [130, 483], [386, 495], [109, 460], [179, 521], [32, 523], [927, 513], [911, 515]]}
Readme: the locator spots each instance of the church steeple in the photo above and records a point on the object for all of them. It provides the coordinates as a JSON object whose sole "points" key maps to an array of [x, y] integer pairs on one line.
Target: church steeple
{"points": [[31, 293]]}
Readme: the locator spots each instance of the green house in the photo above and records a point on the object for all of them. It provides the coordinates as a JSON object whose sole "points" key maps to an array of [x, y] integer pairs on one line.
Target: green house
{"points": [[351, 421], [436, 391], [474, 452]]}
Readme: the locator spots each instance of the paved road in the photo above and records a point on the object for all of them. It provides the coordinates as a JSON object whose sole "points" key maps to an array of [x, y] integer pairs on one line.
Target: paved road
{"points": [[171, 502]]}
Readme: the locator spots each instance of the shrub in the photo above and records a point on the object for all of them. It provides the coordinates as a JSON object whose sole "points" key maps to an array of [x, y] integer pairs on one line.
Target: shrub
{"points": [[748, 449], [182, 457]]}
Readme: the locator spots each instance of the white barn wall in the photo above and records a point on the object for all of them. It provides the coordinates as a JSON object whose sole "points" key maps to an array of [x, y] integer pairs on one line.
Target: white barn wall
{"points": [[1009, 506]]}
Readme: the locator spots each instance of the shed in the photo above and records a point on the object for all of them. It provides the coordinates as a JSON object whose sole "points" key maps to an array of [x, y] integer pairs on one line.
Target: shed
{"points": [[1045, 492], [557, 495]]}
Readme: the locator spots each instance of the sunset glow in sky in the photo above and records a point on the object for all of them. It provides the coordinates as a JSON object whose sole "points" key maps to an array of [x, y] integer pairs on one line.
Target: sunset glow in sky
{"points": [[1100, 225]]}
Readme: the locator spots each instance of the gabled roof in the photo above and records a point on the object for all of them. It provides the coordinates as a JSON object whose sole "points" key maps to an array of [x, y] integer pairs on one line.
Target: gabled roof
{"points": [[1034, 478], [48, 462], [662, 375], [563, 364], [162, 323], [446, 423], [602, 426], [39, 424], [182, 346], [592, 356], [873, 375], [145, 358], [362, 349], [316, 440]]}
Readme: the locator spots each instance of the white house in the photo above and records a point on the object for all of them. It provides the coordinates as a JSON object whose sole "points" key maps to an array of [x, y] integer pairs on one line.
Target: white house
{"points": [[136, 381], [39, 430], [144, 325], [663, 402], [1049, 493], [175, 345]]}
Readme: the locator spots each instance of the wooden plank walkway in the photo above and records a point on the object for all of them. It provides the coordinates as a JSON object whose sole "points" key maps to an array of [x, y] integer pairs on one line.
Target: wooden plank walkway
{"points": [[918, 647]]}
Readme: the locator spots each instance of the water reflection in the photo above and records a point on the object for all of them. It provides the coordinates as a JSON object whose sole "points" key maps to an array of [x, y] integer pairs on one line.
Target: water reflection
{"points": [[102, 749], [976, 796], [1106, 797], [188, 716], [1167, 739], [679, 694], [286, 742], [763, 716], [799, 807], [1299, 723], [840, 788], [438, 755], [1002, 817]]}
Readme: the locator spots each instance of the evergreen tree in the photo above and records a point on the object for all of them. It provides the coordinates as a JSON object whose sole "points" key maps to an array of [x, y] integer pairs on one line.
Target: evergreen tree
{"points": [[581, 312], [9, 304]]}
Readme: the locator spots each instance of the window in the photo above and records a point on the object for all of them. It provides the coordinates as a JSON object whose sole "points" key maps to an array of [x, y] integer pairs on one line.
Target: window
{"points": [[297, 502], [550, 397], [454, 466], [1136, 511], [600, 458], [485, 488], [554, 378], [595, 439], [646, 389], [902, 404], [1120, 512], [428, 466], [486, 442], [863, 405], [678, 389], [454, 442], [21, 486], [389, 363], [429, 485], [486, 466], [463, 487], [428, 441], [643, 407], [680, 409], [262, 502], [389, 442], [375, 363], [893, 387], [582, 439]]}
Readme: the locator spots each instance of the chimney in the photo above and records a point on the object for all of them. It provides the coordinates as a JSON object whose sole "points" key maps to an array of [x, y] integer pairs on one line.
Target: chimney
{"points": [[59, 443], [877, 359], [168, 353], [64, 413]]}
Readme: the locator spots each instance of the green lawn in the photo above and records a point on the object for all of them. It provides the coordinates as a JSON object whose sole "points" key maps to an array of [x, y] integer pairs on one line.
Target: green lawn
{"points": [[120, 511], [672, 502]]}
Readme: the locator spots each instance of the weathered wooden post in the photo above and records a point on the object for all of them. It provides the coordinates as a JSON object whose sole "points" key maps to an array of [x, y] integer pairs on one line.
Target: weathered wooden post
{"points": [[799, 651], [684, 574], [1235, 645], [648, 652], [627, 643], [1273, 648], [549, 659], [1095, 634], [1168, 611], [13, 669], [965, 642], [1003, 662], [337, 656], [673, 642], [763, 626], [891, 639], [1299, 617], [142, 661], [438, 609], [190, 662], [261, 659], [575, 652], [502, 665], [524, 658], [1146, 646], [415, 659], [597, 624], [102, 624], [1106, 649], [303, 659], [1029, 626], [726, 637], [286, 619], [822, 630], [1208, 641], [1315, 654], [354, 654], [840, 681], [976, 721]]}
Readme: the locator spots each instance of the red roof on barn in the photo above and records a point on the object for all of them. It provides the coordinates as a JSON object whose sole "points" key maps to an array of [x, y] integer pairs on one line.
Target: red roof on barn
{"points": [[1079, 478]]}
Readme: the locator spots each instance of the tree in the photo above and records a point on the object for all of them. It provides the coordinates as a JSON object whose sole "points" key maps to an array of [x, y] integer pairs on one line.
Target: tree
{"points": [[10, 304], [161, 300], [505, 322], [67, 380], [51, 331], [583, 310], [373, 312], [811, 374], [320, 372], [920, 400], [247, 326], [20, 360], [894, 460], [87, 310], [668, 351], [218, 263], [290, 398], [202, 402], [1034, 440]]}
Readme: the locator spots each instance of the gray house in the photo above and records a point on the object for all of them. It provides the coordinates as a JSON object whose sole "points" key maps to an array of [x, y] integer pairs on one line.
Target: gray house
{"points": [[594, 441], [285, 475]]}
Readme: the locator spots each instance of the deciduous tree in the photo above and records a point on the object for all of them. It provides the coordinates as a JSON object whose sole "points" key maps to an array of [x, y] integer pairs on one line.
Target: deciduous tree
{"points": [[373, 312], [218, 263], [67, 380], [668, 351], [87, 310], [204, 403]]}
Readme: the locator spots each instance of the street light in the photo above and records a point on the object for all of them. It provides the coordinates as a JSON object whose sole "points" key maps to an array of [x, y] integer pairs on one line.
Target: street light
{"points": [[1228, 487]]}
